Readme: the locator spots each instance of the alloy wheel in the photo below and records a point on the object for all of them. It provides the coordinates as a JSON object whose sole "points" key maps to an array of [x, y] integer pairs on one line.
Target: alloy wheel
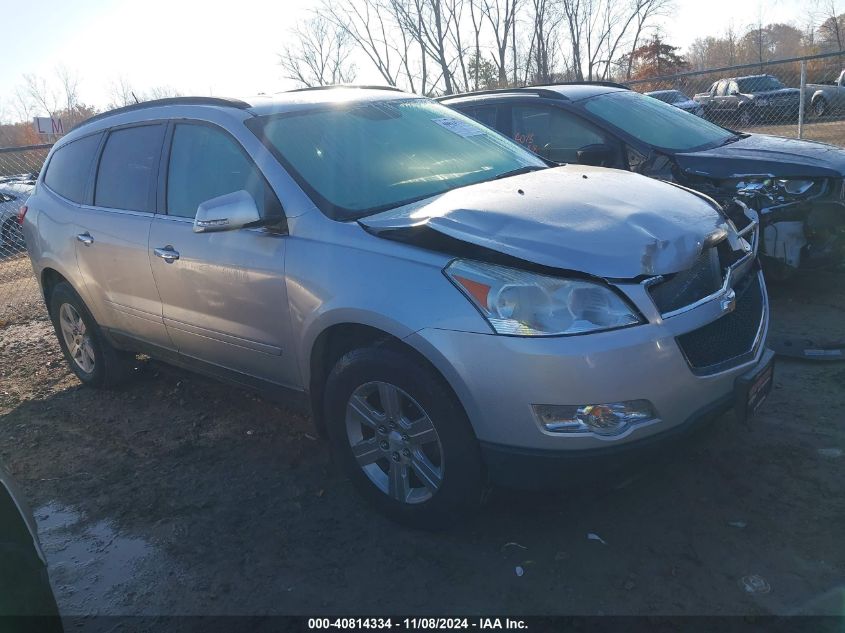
{"points": [[77, 338], [394, 442]]}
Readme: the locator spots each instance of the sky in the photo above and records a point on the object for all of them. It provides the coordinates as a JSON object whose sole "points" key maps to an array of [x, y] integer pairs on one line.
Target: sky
{"points": [[231, 49]]}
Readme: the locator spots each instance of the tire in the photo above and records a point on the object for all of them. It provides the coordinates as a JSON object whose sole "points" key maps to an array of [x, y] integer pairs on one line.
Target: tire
{"points": [[820, 107], [439, 447], [744, 118], [93, 359]]}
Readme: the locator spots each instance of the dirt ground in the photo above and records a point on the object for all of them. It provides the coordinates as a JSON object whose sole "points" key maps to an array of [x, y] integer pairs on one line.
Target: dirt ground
{"points": [[178, 495], [827, 130]]}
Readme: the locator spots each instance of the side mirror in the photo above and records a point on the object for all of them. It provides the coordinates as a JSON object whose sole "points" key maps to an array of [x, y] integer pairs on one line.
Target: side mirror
{"points": [[598, 155], [227, 212], [733, 93]]}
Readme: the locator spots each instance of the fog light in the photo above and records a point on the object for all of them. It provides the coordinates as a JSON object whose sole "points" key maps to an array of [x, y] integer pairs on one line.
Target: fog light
{"points": [[607, 419]]}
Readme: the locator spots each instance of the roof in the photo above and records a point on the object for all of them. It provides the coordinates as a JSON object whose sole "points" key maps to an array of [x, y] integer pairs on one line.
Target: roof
{"points": [[574, 91], [307, 97], [265, 104]]}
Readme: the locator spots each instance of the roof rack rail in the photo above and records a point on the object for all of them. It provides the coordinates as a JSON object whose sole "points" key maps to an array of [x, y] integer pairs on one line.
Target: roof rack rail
{"points": [[541, 90], [211, 101], [364, 87]]}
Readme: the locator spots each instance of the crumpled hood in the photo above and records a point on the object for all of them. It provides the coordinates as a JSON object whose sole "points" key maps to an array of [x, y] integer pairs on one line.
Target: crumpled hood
{"points": [[602, 222], [764, 154]]}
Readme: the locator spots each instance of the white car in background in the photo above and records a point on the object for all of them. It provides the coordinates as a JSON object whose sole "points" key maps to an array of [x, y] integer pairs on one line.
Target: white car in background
{"points": [[14, 190]]}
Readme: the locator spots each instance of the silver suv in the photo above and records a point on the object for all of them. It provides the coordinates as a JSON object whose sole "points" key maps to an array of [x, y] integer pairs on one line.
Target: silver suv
{"points": [[456, 310]]}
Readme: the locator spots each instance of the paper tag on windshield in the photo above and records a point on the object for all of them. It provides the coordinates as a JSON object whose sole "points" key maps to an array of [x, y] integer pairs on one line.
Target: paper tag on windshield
{"points": [[459, 127]]}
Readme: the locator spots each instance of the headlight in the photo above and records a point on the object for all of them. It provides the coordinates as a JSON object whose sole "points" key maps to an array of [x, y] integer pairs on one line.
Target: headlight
{"points": [[523, 303], [781, 188], [796, 187]]}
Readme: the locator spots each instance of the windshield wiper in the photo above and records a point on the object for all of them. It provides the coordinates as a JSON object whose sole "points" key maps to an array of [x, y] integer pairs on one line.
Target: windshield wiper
{"points": [[516, 172], [731, 139]]}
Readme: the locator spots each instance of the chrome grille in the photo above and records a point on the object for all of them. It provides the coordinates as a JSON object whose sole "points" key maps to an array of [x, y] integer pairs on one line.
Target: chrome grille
{"points": [[701, 280], [732, 338]]}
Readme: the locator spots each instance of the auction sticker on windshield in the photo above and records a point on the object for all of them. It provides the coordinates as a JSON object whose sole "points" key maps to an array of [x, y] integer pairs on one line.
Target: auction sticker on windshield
{"points": [[461, 128]]}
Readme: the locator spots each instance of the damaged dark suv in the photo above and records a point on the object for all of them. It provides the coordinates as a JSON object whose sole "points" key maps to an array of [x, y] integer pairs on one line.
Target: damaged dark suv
{"points": [[796, 186]]}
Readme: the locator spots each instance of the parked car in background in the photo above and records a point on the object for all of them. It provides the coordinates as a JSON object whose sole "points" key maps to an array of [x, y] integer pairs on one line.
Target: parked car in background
{"points": [[797, 186], [748, 100], [827, 97], [14, 190], [455, 308], [679, 100]]}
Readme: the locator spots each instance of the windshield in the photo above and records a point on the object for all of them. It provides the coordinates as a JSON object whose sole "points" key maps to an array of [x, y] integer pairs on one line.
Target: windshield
{"points": [[656, 123], [758, 84], [364, 158]]}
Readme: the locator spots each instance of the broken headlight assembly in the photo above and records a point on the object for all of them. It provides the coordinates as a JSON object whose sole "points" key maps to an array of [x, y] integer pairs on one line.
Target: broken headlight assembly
{"points": [[523, 303], [781, 189]]}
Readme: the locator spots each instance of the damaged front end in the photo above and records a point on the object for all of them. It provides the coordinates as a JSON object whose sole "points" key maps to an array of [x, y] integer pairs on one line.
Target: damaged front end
{"points": [[802, 220]]}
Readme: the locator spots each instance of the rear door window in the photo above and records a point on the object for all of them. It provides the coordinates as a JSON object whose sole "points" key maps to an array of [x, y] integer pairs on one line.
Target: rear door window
{"points": [[553, 133], [128, 168], [70, 166], [206, 163]]}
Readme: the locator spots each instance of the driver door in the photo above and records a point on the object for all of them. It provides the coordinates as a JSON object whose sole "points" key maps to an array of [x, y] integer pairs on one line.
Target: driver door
{"points": [[558, 135], [223, 294]]}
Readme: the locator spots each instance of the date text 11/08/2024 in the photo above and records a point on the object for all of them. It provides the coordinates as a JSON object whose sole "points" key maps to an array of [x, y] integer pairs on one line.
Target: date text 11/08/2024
{"points": [[430, 623]]}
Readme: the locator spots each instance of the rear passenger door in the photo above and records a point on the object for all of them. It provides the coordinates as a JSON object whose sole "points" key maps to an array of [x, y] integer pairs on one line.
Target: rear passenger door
{"points": [[113, 233], [223, 293]]}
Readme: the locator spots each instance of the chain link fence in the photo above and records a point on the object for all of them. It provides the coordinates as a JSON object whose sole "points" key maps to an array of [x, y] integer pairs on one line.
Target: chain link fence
{"points": [[19, 169], [802, 97]]}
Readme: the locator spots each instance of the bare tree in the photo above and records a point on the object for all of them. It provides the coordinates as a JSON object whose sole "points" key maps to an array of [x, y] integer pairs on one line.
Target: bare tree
{"points": [[319, 54], [830, 29], [430, 23], [40, 94], [543, 44], [476, 17], [644, 12], [501, 16], [121, 93], [372, 26]]}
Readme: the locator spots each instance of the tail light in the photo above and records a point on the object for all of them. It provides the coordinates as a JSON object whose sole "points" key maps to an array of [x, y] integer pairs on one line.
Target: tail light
{"points": [[22, 214]]}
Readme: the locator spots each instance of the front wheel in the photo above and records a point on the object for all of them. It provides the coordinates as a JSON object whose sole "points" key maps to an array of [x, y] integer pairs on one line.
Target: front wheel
{"points": [[820, 107], [402, 437], [744, 118], [90, 356]]}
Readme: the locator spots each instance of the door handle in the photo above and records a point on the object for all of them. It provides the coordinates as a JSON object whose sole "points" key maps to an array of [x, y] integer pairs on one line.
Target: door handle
{"points": [[167, 254], [85, 238]]}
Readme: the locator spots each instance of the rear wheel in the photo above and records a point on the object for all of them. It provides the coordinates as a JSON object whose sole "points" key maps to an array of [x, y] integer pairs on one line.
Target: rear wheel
{"points": [[403, 439], [90, 356]]}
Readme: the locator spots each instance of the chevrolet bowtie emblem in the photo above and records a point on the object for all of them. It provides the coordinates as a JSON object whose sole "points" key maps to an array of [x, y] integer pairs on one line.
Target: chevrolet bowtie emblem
{"points": [[729, 301]]}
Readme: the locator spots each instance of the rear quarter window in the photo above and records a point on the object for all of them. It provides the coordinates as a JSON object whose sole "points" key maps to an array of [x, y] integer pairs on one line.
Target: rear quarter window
{"points": [[69, 167]]}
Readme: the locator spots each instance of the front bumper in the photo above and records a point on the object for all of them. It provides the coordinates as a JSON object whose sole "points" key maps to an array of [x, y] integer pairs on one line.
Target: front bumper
{"points": [[537, 468], [499, 378]]}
